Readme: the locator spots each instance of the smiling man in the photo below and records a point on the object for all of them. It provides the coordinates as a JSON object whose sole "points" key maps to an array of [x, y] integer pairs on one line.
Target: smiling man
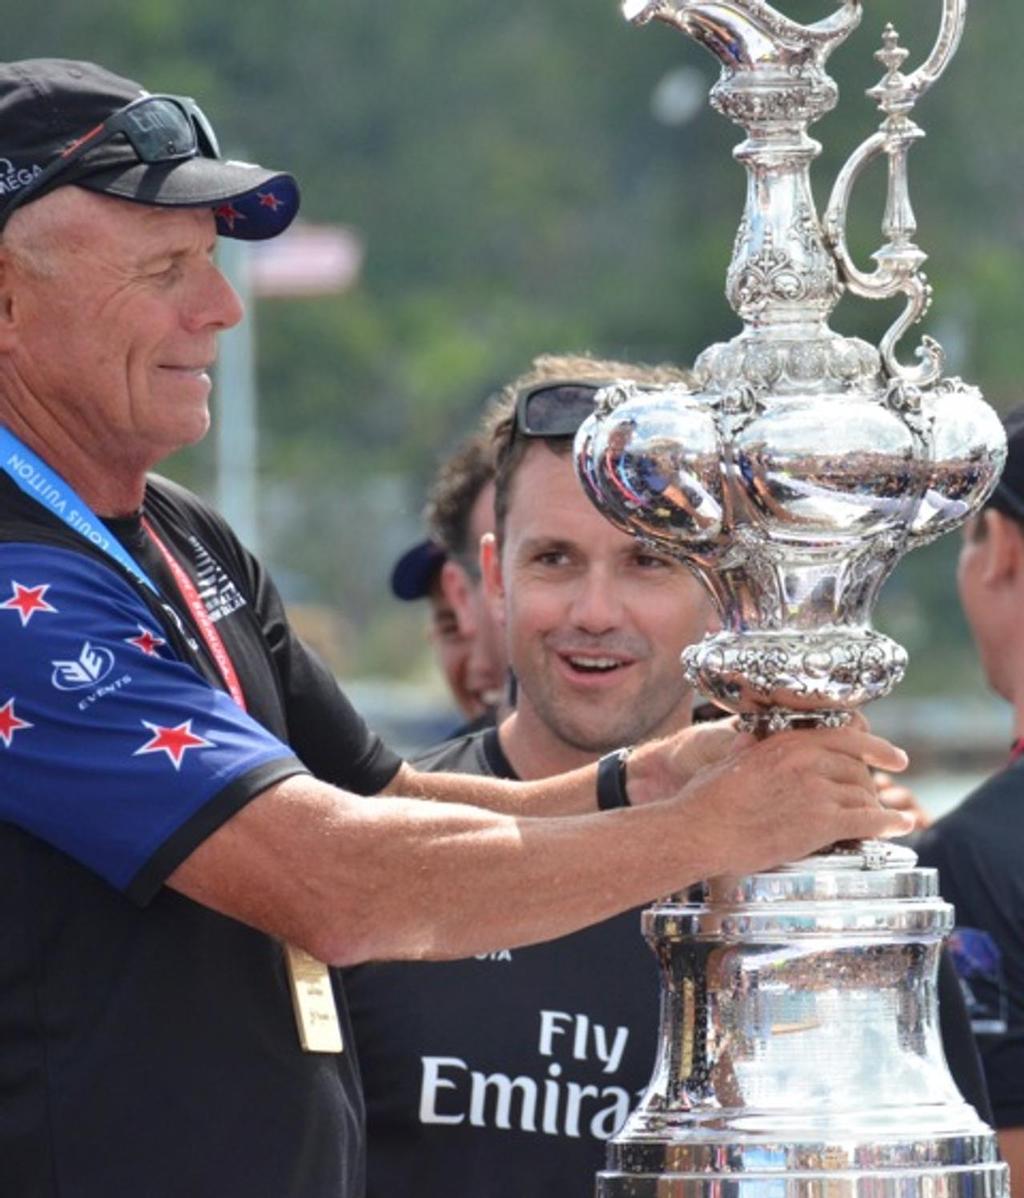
{"points": [[595, 621], [505, 1073]]}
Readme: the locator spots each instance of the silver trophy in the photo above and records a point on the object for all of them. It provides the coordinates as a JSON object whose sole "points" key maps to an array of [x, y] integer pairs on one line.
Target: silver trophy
{"points": [[799, 1051]]}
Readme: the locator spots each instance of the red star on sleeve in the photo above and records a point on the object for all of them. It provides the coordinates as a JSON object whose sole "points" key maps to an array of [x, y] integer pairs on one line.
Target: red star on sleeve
{"points": [[10, 723], [147, 641], [26, 601], [175, 742]]}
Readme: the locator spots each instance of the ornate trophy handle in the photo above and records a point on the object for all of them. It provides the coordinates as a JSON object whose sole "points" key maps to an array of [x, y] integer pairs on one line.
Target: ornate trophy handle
{"points": [[899, 261], [954, 13], [742, 33]]}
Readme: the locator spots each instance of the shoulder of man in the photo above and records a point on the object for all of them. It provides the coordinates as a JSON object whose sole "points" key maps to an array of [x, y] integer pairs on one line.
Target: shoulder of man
{"points": [[205, 536], [183, 506], [473, 753], [24, 519], [991, 819]]}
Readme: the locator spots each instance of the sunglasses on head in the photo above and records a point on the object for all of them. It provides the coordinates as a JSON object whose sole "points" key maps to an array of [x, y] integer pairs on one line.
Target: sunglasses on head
{"points": [[158, 128], [1005, 496], [555, 409]]}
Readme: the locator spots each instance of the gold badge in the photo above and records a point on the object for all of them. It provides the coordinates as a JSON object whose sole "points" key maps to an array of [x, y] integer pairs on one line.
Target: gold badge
{"points": [[316, 1014]]}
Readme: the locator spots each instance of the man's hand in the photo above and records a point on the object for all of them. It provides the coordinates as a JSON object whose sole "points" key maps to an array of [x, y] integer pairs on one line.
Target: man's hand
{"points": [[791, 794], [900, 797], [658, 769]]}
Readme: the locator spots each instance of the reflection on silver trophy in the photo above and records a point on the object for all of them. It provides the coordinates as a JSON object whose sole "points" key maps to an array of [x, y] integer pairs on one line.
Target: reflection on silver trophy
{"points": [[799, 1046]]}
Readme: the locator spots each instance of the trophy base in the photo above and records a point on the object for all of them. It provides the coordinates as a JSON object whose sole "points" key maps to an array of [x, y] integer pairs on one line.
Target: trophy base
{"points": [[799, 1049], [982, 1181]]}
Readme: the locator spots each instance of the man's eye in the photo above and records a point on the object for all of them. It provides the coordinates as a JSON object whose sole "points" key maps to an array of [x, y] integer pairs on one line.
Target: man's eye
{"points": [[649, 561], [166, 268], [446, 626]]}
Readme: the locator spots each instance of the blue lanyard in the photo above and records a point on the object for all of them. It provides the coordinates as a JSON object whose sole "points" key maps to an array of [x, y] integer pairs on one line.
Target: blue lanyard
{"points": [[39, 482]]}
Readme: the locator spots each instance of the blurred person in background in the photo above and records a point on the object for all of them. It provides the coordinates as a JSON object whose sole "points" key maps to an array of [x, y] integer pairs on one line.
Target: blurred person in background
{"points": [[504, 1074], [445, 570], [977, 848]]}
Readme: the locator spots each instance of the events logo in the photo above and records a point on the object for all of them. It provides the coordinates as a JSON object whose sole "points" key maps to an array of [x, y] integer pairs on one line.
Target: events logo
{"points": [[89, 668]]}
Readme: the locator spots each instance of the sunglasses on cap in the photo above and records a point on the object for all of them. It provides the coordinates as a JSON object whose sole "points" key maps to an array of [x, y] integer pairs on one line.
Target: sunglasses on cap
{"points": [[159, 129], [555, 409]]}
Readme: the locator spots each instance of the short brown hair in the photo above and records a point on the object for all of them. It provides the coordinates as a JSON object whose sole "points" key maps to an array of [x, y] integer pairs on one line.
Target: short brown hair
{"points": [[456, 486], [508, 449]]}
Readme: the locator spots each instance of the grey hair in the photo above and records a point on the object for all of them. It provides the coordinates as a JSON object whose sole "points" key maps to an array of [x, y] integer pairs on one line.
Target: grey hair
{"points": [[32, 231]]}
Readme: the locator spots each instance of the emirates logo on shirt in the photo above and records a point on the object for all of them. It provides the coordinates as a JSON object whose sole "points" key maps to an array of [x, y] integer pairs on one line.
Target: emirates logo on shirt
{"points": [[552, 1102]]}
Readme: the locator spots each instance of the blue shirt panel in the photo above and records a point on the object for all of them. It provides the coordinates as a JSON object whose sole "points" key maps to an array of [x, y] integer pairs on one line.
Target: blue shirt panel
{"points": [[108, 741]]}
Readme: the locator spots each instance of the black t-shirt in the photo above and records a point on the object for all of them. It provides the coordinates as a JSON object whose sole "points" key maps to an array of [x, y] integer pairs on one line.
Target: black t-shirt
{"points": [[484, 1078], [977, 851], [501, 1076], [148, 1043]]}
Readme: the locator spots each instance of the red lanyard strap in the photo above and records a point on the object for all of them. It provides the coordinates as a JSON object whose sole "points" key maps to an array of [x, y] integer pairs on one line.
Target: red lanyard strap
{"points": [[206, 626]]}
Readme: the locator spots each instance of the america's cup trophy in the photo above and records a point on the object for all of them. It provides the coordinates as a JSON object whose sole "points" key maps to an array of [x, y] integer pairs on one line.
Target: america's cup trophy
{"points": [[799, 1051]]}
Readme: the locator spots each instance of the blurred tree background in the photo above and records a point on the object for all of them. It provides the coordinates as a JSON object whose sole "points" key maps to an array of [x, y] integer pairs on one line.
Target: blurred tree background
{"points": [[530, 177]]}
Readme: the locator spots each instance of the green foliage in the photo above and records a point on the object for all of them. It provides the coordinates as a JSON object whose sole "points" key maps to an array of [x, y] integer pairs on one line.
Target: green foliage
{"points": [[516, 195]]}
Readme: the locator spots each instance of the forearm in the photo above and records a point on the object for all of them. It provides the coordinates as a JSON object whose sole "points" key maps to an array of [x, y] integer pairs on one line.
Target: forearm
{"points": [[573, 793], [353, 879], [473, 881], [656, 770]]}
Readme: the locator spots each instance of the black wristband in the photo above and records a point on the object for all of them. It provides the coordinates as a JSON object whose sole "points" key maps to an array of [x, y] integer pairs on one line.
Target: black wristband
{"points": [[611, 780]]}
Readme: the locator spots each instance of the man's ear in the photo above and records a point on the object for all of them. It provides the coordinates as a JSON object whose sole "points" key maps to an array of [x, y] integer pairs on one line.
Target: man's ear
{"points": [[492, 576], [457, 589], [7, 304], [1004, 549]]}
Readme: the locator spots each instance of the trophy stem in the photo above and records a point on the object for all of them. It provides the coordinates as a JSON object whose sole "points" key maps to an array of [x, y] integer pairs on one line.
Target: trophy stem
{"points": [[781, 276]]}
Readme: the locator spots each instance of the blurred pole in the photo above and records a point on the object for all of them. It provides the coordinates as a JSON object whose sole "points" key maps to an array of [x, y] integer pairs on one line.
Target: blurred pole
{"points": [[235, 411]]}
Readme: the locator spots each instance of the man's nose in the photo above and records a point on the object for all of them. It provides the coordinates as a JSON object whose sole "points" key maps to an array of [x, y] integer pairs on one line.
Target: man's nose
{"points": [[596, 605], [215, 303]]}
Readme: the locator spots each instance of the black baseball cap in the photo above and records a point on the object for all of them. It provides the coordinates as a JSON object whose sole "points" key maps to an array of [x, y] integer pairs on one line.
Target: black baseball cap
{"points": [[1008, 497], [68, 121], [415, 571]]}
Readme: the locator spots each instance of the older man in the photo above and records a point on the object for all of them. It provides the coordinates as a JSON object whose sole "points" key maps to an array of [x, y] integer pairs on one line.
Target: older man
{"points": [[181, 779], [504, 1074]]}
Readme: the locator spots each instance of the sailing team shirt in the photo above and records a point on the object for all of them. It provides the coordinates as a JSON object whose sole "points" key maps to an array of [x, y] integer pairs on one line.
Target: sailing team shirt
{"points": [[502, 1075], [121, 751], [111, 746]]}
